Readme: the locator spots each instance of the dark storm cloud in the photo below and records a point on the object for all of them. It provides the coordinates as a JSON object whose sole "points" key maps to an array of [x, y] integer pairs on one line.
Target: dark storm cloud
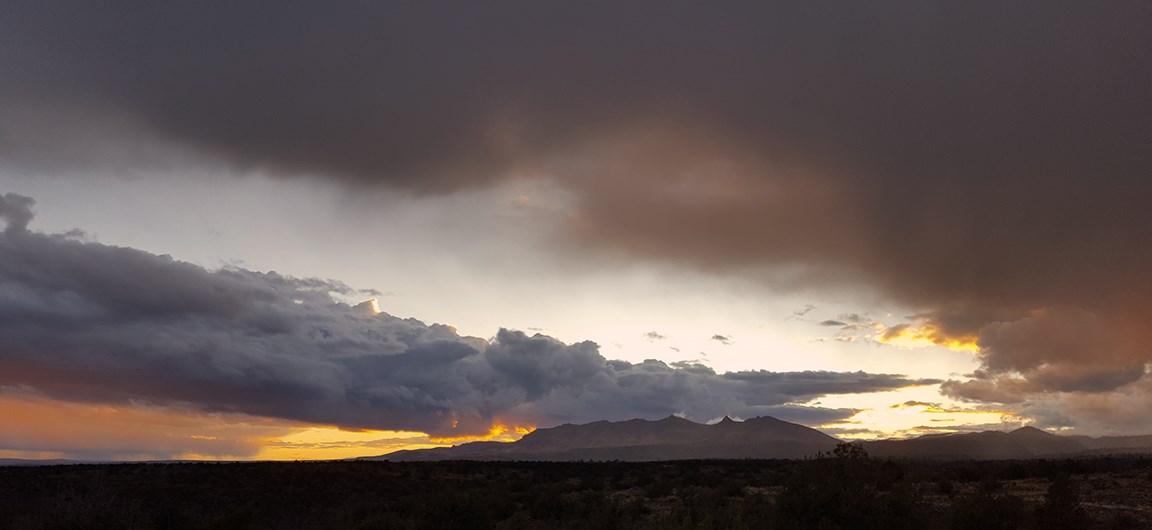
{"points": [[794, 383], [978, 161], [16, 212], [83, 321], [1062, 335], [1057, 350]]}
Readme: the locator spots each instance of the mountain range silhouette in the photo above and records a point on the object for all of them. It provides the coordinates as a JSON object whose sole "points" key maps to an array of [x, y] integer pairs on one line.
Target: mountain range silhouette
{"points": [[675, 438]]}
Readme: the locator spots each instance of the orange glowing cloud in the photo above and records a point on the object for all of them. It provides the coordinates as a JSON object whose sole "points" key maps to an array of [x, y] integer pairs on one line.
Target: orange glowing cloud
{"points": [[498, 432], [924, 334]]}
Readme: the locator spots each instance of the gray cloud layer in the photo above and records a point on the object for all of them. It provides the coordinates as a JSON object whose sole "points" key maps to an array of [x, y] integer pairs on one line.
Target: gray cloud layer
{"points": [[980, 161], [89, 322]]}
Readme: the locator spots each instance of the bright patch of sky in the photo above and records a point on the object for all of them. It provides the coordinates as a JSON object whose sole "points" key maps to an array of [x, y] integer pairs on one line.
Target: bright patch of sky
{"points": [[479, 261]]}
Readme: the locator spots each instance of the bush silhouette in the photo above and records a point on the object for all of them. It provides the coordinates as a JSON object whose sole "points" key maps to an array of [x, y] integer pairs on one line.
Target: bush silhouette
{"points": [[846, 489], [1061, 508]]}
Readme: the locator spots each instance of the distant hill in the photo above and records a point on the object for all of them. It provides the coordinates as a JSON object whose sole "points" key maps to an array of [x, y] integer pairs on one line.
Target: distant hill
{"points": [[1026, 442], [674, 438], [671, 438], [1116, 444]]}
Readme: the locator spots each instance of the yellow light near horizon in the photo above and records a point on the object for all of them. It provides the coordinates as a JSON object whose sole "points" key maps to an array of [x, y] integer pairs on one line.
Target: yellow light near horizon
{"points": [[910, 412], [334, 434], [331, 443], [908, 422], [905, 422]]}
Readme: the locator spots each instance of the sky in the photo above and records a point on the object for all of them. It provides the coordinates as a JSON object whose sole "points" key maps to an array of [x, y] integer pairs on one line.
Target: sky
{"points": [[279, 230]]}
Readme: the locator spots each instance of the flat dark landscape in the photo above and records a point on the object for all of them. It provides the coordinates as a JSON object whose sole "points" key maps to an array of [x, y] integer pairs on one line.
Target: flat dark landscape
{"points": [[847, 490]]}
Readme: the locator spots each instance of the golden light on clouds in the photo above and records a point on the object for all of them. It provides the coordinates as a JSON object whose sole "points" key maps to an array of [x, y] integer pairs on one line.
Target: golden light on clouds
{"points": [[911, 336], [369, 307], [498, 432]]}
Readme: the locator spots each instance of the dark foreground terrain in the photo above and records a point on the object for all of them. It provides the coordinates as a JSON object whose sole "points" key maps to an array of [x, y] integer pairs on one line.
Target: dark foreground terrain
{"points": [[841, 490]]}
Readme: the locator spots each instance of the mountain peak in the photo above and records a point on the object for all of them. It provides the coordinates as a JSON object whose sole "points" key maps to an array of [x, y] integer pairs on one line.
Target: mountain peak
{"points": [[726, 421], [1030, 431]]}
